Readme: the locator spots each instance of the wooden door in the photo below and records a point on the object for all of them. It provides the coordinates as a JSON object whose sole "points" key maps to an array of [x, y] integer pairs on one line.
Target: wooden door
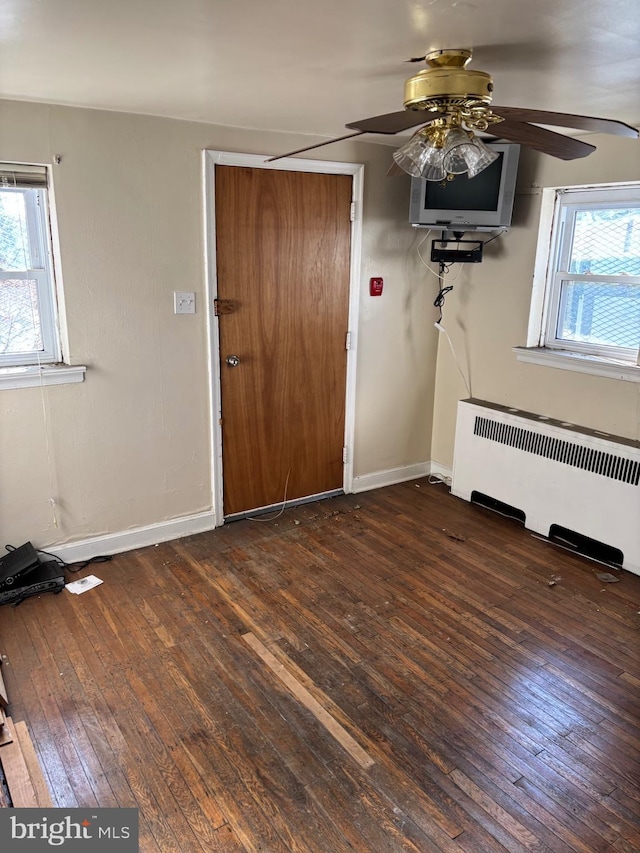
{"points": [[283, 260]]}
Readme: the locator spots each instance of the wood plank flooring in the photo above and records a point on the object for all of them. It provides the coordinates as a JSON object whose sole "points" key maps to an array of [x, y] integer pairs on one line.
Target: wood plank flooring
{"points": [[497, 712]]}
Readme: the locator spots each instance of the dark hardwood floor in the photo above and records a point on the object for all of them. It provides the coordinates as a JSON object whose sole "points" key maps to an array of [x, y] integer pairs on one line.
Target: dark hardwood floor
{"points": [[395, 670]]}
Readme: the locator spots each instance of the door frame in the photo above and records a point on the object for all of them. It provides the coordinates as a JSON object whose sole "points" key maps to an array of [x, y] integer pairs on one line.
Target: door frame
{"points": [[211, 158]]}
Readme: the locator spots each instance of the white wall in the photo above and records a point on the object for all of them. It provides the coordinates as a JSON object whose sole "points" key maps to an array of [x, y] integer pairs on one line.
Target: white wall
{"points": [[130, 446], [488, 312]]}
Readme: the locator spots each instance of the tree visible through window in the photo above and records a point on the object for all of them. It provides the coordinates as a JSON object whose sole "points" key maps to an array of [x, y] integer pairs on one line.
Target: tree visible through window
{"points": [[28, 330]]}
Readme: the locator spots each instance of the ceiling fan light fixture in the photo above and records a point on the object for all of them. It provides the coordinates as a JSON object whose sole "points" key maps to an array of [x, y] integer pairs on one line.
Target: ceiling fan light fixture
{"points": [[448, 95], [438, 153]]}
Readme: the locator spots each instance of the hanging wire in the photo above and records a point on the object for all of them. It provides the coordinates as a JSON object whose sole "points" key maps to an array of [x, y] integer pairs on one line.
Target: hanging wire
{"points": [[442, 292], [282, 508], [439, 304]]}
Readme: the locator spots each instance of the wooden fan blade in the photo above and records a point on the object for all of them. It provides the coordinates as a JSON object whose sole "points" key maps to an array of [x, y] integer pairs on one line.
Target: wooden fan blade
{"points": [[596, 125], [394, 122], [317, 145], [555, 144]]}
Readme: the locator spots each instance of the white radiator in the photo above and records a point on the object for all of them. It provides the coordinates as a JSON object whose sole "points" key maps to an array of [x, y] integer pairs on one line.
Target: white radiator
{"points": [[555, 473]]}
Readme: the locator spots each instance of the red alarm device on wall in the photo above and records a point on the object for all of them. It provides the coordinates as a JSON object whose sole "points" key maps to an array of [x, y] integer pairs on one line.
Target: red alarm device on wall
{"points": [[375, 286]]}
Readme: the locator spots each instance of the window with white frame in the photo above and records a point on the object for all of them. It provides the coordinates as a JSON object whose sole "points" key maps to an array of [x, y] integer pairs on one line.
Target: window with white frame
{"points": [[592, 295], [28, 321]]}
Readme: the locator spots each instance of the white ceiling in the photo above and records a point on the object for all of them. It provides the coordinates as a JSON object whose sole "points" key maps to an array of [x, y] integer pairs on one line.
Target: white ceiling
{"points": [[313, 65]]}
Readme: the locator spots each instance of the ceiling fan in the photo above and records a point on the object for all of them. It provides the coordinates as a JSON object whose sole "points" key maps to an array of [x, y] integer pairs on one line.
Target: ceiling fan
{"points": [[452, 103]]}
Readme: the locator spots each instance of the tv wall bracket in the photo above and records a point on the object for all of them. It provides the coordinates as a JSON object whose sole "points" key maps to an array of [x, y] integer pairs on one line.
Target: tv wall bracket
{"points": [[456, 250]]}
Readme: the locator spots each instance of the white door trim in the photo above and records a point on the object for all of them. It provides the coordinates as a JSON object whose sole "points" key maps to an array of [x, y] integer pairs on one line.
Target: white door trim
{"points": [[258, 161]]}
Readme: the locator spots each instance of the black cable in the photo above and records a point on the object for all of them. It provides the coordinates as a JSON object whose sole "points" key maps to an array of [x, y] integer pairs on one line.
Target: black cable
{"points": [[442, 293], [55, 556], [72, 568], [75, 567], [443, 269], [495, 237]]}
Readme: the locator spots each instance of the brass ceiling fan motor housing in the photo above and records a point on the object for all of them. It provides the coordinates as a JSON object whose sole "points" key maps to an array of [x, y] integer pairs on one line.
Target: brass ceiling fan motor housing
{"points": [[446, 85]]}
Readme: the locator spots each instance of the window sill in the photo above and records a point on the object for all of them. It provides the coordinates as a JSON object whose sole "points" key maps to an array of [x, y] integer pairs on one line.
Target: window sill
{"points": [[33, 376], [579, 363]]}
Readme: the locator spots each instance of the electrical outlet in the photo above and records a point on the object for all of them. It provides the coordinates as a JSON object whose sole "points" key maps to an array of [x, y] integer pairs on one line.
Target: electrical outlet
{"points": [[184, 303]]}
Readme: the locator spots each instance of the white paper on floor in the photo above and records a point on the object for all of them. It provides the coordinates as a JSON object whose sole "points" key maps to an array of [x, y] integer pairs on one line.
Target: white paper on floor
{"points": [[83, 584]]}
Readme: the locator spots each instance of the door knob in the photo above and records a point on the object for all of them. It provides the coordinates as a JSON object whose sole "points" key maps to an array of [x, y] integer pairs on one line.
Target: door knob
{"points": [[232, 360]]}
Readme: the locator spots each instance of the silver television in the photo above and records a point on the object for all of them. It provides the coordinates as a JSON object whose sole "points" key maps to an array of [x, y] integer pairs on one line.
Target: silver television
{"points": [[483, 203]]}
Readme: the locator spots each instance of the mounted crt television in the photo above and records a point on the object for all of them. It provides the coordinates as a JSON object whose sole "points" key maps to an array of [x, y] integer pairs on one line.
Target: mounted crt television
{"points": [[483, 203]]}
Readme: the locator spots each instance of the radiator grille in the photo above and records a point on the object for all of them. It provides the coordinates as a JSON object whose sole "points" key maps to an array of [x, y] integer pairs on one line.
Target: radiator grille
{"points": [[567, 452]]}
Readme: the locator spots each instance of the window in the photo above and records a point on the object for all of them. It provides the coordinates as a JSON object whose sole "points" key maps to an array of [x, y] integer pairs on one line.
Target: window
{"points": [[28, 321], [594, 285], [586, 301]]}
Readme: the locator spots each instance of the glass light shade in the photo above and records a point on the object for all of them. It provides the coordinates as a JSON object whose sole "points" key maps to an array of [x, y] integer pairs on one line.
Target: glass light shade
{"points": [[464, 154], [458, 148], [420, 158], [481, 157], [433, 164]]}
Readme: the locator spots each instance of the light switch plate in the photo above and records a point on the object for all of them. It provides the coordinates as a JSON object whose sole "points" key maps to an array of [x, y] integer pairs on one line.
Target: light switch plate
{"points": [[183, 302]]}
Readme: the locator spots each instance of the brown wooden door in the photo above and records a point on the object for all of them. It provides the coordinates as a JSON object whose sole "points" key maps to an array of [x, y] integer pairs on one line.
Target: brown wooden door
{"points": [[283, 258]]}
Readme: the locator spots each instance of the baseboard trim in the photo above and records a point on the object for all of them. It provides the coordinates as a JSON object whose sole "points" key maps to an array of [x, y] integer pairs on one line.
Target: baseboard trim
{"points": [[137, 537], [377, 479], [175, 528]]}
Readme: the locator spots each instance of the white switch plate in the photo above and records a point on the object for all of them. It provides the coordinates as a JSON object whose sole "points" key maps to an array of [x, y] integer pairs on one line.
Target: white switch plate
{"points": [[184, 303]]}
